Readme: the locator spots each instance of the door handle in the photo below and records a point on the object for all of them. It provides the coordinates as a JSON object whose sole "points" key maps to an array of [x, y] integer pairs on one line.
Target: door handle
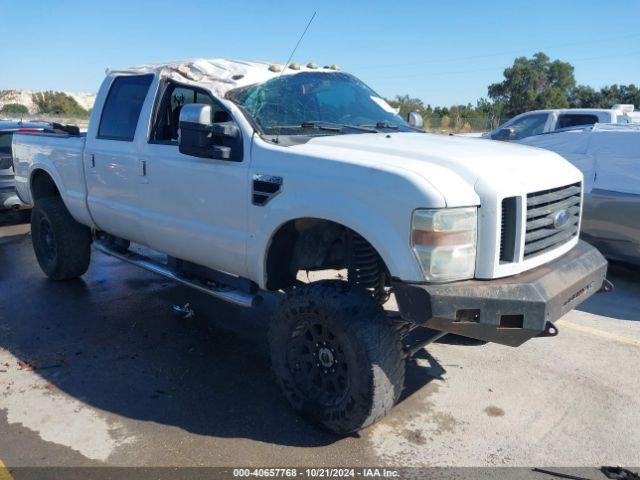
{"points": [[142, 168], [92, 165]]}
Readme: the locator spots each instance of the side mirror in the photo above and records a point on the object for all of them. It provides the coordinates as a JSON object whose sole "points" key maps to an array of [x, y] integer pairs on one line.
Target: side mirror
{"points": [[200, 137], [505, 134], [415, 120]]}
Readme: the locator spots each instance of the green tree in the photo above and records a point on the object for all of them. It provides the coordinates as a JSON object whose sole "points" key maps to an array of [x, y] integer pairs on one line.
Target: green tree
{"points": [[586, 97], [440, 111], [613, 94], [534, 83], [491, 112], [14, 108], [58, 103], [407, 104]]}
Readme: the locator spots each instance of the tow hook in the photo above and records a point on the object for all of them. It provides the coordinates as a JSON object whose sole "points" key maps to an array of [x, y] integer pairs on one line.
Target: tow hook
{"points": [[606, 287], [550, 330]]}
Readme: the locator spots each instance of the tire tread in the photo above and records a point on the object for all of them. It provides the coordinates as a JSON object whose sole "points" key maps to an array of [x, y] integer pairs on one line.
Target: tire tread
{"points": [[365, 320], [73, 240]]}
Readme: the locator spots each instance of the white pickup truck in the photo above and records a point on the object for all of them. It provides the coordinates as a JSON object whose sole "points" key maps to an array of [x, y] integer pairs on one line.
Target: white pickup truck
{"points": [[244, 174], [536, 122]]}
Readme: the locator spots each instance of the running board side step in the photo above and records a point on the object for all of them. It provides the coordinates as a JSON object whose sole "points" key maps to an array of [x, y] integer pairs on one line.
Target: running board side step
{"points": [[235, 296]]}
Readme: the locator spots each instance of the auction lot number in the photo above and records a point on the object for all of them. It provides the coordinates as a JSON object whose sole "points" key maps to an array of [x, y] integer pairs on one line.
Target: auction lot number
{"points": [[315, 472]]}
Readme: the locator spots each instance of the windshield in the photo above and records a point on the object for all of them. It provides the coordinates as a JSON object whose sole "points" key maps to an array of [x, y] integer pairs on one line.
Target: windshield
{"points": [[316, 103]]}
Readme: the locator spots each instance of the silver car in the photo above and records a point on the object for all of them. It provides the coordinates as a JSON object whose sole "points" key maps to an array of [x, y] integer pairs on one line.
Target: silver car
{"points": [[8, 198]]}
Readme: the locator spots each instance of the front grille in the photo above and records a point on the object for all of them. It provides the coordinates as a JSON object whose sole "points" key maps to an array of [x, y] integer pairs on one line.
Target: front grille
{"points": [[553, 218]]}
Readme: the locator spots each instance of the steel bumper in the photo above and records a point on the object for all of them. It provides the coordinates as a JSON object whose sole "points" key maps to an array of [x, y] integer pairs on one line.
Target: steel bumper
{"points": [[508, 310]]}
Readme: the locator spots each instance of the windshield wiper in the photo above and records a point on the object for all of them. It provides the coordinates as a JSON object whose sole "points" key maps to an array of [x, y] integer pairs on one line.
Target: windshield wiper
{"points": [[328, 126], [393, 126], [380, 125]]}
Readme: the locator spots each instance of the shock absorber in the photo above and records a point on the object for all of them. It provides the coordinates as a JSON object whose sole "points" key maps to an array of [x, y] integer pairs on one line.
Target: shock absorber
{"points": [[366, 268]]}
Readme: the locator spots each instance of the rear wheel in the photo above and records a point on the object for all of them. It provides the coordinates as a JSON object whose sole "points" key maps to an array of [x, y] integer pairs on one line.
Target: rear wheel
{"points": [[62, 245], [337, 359]]}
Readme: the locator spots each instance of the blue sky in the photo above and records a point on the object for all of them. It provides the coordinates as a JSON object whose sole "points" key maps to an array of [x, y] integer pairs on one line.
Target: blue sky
{"points": [[444, 52]]}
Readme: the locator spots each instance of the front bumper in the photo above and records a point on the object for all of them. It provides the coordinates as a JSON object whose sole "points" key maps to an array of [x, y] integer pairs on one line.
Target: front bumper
{"points": [[508, 310]]}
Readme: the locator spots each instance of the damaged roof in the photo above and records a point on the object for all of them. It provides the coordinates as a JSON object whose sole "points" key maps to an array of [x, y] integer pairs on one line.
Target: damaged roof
{"points": [[219, 74]]}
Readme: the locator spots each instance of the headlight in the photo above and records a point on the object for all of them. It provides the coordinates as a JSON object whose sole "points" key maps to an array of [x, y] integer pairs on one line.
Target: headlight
{"points": [[444, 242]]}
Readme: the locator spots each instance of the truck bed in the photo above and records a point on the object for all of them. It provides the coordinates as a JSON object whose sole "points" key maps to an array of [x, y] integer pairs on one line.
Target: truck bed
{"points": [[61, 156]]}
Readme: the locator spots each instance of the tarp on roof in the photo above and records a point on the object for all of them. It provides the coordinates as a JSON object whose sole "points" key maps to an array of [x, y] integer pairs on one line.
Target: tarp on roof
{"points": [[220, 75]]}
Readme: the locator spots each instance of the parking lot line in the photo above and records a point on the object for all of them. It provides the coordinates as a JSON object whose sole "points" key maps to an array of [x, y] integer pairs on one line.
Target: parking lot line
{"points": [[4, 473], [599, 333], [11, 230]]}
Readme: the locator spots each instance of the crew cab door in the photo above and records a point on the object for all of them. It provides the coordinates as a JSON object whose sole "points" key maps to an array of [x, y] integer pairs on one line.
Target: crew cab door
{"points": [[111, 156], [193, 208]]}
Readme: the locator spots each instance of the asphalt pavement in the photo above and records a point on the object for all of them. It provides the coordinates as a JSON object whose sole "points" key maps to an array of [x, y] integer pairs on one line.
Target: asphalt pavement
{"points": [[101, 371]]}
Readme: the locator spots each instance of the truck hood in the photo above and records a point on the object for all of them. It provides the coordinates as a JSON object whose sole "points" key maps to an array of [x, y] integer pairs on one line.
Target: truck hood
{"points": [[458, 167]]}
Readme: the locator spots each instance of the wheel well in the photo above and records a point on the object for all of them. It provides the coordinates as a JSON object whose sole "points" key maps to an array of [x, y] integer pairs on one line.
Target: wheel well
{"points": [[42, 185], [314, 244]]}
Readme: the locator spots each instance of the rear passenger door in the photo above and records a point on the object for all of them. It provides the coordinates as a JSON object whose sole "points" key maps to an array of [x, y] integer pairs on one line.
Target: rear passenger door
{"points": [[112, 154]]}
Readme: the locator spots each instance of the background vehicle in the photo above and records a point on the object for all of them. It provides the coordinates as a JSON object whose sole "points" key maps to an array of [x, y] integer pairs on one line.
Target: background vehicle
{"points": [[243, 175], [609, 158], [543, 121], [8, 198]]}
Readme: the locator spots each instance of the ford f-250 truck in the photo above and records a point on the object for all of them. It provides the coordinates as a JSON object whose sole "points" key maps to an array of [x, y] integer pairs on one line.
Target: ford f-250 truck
{"points": [[244, 174]]}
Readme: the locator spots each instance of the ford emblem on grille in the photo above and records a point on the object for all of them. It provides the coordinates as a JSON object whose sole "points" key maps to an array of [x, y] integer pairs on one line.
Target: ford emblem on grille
{"points": [[560, 218]]}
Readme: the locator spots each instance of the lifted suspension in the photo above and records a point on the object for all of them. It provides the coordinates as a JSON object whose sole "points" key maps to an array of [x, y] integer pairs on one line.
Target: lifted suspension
{"points": [[366, 268]]}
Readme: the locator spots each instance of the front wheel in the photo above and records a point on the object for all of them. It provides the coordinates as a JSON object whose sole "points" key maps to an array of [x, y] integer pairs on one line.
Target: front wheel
{"points": [[336, 357], [62, 245]]}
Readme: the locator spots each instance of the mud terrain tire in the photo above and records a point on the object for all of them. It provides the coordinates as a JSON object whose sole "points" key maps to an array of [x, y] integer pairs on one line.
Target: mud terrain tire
{"points": [[338, 360], [62, 245]]}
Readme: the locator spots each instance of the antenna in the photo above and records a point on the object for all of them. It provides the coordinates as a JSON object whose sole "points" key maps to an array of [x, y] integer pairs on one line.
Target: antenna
{"points": [[299, 40], [277, 139]]}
